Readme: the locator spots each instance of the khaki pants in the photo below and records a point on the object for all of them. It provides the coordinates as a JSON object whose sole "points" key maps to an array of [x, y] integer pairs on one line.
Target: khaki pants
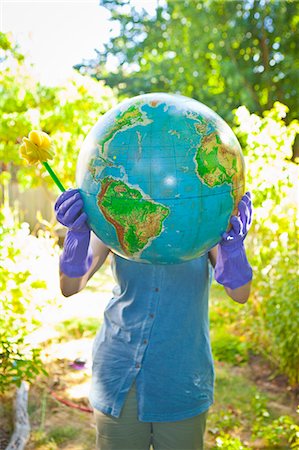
{"points": [[128, 433]]}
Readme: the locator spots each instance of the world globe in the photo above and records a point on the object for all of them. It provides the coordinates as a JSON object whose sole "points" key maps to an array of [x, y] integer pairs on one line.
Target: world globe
{"points": [[160, 176]]}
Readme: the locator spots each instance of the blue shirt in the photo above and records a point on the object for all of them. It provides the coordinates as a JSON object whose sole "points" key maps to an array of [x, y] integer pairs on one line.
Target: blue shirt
{"points": [[156, 333]]}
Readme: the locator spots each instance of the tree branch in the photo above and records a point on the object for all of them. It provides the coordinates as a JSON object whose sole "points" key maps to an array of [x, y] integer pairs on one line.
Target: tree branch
{"points": [[22, 425]]}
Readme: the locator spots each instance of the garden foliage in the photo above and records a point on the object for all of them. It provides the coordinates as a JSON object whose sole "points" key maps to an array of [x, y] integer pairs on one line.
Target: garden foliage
{"points": [[24, 294], [65, 112], [273, 321], [222, 53]]}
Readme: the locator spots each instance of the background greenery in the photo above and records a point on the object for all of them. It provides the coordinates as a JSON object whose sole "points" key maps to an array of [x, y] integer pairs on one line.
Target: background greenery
{"points": [[223, 53], [237, 57]]}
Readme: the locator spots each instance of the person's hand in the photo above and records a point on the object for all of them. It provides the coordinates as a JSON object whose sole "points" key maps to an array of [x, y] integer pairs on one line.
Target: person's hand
{"points": [[240, 223], [77, 256], [232, 268], [69, 211]]}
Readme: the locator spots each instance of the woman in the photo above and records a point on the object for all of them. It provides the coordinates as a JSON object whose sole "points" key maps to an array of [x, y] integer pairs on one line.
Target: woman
{"points": [[152, 376]]}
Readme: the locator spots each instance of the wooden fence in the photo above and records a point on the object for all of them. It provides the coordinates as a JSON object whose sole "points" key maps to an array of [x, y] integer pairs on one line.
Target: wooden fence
{"points": [[31, 203]]}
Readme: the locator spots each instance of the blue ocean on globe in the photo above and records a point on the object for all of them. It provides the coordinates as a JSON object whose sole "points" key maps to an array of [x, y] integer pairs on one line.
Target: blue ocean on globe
{"points": [[160, 176]]}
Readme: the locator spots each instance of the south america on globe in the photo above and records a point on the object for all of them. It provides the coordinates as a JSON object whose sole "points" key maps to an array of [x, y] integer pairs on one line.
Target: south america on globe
{"points": [[160, 176]]}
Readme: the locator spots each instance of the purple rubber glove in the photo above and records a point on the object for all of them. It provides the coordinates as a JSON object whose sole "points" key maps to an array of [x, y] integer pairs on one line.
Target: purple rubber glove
{"points": [[77, 256], [232, 268]]}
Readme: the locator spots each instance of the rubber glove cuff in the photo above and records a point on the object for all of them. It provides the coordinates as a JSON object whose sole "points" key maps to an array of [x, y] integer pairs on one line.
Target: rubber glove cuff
{"points": [[232, 267], [77, 256]]}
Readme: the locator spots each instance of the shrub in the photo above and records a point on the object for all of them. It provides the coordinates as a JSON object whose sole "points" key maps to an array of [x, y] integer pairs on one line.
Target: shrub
{"points": [[23, 294], [272, 177], [228, 347], [274, 432]]}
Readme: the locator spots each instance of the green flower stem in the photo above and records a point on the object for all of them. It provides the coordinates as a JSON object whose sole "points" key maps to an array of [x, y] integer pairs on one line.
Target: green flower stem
{"points": [[54, 176]]}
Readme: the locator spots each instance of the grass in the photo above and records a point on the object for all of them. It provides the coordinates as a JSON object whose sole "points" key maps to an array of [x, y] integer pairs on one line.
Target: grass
{"points": [[242, 407], [55, 438], [228, 343], [62, 434], [239, 405], [76, 328], [245, 414], [62, 427]]}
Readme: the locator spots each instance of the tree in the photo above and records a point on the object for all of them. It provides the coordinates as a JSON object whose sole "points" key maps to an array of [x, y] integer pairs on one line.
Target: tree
{"points": [[66, 113], [223, 53]]}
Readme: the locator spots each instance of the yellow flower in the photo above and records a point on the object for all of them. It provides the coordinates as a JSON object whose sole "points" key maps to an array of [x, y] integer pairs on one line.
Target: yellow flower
{"points": [[37, 147]]}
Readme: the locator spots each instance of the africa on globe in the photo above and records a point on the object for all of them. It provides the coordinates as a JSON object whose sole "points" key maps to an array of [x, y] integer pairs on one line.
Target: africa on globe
{"points": [[160, 176]]}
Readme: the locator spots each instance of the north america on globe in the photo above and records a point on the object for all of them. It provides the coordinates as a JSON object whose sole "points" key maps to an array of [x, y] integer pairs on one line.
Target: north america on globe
{"points": [[160, 177]]}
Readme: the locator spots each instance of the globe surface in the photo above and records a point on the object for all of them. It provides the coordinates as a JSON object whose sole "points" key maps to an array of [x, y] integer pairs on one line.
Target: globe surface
{"points": [[160, 176]]}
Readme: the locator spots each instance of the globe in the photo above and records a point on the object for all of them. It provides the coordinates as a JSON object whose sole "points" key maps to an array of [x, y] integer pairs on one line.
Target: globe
{"points": [[160, 176]]}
